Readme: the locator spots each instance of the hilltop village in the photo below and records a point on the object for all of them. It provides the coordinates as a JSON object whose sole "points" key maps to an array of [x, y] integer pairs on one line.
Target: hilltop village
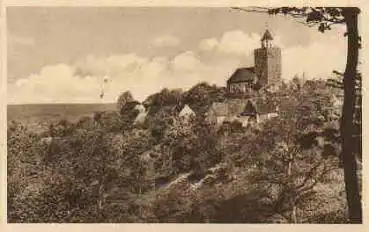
{"points": [[243, 102]]}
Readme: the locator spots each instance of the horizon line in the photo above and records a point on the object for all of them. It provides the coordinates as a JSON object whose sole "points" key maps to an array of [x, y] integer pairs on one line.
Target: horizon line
{"points": [[60, 103]]}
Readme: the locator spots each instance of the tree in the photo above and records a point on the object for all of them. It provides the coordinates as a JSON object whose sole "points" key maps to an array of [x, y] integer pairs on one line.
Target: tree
{"points": [[201, 96], [290, 160], [325, 17], [123, 99], [167, 99], [193, 146], [24, 168], [287, 176]]}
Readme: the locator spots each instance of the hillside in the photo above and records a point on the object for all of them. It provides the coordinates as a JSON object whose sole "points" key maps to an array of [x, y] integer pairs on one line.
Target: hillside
{"points": [[168, 169]]}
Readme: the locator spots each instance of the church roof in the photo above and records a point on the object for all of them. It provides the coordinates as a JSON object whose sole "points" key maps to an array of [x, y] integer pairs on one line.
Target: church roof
{"points": [[242, 75], [267, 35]]}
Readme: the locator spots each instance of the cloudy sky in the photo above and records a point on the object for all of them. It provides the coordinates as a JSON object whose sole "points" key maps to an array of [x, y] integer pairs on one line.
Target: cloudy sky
{"points": [[62, 55]]}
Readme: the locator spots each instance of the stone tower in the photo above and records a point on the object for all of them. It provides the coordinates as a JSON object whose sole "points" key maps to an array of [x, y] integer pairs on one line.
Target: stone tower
{"points": [[267, 60]]}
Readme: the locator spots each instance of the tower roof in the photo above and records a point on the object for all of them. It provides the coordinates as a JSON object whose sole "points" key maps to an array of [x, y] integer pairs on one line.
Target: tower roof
{"points": [[267, 35]]}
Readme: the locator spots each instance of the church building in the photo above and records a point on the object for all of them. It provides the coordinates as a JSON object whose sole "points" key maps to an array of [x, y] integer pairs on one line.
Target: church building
{"points": [[266, 71], [242, 104]]}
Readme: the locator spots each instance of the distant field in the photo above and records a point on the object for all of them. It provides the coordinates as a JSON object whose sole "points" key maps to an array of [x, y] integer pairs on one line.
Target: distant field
{"points": [[31, 113]]}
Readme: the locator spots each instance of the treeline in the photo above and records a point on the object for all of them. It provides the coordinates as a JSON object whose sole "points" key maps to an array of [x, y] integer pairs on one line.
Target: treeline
{"points": [[107, 169]]}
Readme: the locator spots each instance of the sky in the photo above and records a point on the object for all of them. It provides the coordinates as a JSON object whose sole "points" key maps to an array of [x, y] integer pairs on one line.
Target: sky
{"points": [[63, 54]]}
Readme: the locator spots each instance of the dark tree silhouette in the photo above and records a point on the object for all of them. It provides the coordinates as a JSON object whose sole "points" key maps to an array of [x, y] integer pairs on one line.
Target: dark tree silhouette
{"points": [[123, 99], [324, 18]]}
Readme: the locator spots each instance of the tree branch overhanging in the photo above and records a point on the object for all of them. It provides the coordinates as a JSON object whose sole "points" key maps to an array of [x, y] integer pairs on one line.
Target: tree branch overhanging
{"points": [[325, 17]]}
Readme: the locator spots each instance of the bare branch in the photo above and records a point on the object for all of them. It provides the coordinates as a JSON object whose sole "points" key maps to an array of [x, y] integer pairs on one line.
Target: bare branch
{"points": [[316, 181], [337, 73], [298, 14], [309, 175]]}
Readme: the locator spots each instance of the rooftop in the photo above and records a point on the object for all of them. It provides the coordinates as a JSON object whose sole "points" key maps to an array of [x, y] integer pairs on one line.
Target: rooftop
{"points": [[267, 36], [243, 75]]}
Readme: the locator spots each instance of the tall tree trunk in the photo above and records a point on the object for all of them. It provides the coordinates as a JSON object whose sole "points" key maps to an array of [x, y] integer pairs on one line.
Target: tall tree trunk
{"points": [[294, 214], [347, 152]]}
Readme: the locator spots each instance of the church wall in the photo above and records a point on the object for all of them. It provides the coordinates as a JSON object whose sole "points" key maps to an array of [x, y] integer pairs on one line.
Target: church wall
{"points": [[240, 87]]}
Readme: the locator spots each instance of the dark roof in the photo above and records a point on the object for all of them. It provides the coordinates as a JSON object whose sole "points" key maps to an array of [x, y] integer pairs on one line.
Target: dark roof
{"points": [[267, 36], [243, 75], [250, 109]]}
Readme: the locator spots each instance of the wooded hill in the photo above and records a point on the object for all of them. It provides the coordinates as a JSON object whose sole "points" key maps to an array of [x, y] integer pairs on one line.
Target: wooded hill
{"points": [[109, 169]]}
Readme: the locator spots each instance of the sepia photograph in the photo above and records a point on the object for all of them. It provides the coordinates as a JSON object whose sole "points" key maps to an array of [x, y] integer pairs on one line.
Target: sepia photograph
{"points": [[184, 115]]}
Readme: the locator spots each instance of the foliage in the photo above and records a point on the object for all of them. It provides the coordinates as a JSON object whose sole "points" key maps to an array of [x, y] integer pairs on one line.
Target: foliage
{"points": [[202, 95], [325, 17], [123, 99], [175, 170]]}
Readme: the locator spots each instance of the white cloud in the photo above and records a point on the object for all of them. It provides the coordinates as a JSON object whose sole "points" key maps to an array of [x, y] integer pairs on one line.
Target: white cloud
{"points": [[166, 41], [316, 60], [54, 84], [186, 61], [237, 42], [82, 81], [234, 42], [214, 61]]}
